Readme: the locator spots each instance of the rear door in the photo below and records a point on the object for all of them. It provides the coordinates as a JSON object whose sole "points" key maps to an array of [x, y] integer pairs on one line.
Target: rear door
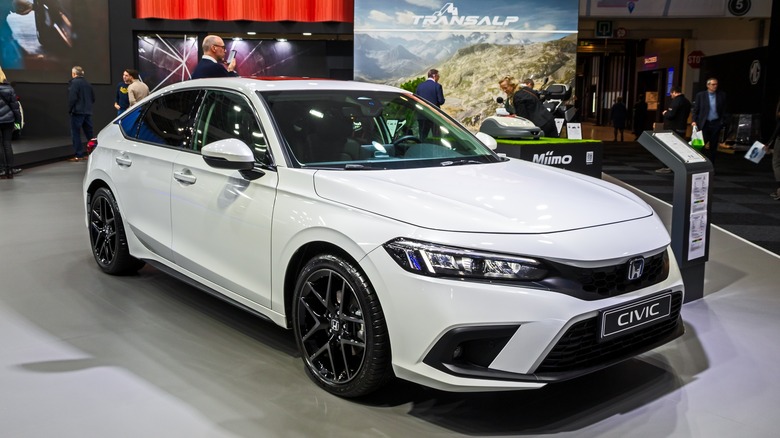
{"points": [[154, 135]]}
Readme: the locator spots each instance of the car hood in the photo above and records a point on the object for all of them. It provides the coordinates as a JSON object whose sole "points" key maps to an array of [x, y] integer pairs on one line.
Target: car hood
{"points": [[508, 197]]}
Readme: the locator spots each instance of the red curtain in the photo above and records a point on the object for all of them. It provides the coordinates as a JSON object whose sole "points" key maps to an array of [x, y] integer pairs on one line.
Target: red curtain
{"points": [[252, 10]]}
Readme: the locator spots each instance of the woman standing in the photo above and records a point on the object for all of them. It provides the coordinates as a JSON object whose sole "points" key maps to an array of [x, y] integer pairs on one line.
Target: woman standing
{"points": [[9, 114]]}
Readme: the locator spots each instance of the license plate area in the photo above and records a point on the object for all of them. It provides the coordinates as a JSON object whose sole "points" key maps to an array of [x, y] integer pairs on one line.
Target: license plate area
{"points": [[627, 318]]}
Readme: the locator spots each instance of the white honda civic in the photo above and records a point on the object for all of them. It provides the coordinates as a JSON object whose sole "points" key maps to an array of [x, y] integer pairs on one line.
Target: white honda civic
{"points": [[390, 239]]}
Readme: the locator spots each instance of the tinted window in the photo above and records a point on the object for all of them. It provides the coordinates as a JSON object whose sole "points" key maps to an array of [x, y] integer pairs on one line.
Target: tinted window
{"points": [[168, 119], [228, 115], [129, 123]]}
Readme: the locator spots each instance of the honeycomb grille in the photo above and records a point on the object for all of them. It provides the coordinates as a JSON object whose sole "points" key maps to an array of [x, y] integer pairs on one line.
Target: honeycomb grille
{"points": [[579, 348]]}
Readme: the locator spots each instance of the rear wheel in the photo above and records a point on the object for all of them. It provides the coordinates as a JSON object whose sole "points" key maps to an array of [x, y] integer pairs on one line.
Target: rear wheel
{"points": [[107, 235], [340, 328]]}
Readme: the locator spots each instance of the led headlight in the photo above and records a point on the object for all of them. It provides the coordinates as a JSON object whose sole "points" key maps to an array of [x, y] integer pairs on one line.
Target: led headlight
{"points": [[438, 260]]}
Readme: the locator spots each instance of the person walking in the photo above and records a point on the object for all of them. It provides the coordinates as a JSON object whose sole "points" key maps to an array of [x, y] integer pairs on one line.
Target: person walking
{"points": [[136, 90], [121, 101], [432, 91], [710, 116], [9, 115], [80, 100], [618, 115], [211, 65]]}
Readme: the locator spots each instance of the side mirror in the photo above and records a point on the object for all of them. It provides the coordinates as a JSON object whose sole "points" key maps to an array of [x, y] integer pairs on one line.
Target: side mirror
{"points": [[487, 140], [230, 153]]}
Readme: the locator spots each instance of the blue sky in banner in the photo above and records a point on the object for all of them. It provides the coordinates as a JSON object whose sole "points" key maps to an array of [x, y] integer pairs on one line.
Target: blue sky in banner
{"points": [[547, 16]]}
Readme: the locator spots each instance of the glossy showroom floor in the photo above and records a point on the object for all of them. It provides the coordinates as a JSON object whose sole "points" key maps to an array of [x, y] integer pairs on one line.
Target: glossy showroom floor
{"points": [[84, 354]]}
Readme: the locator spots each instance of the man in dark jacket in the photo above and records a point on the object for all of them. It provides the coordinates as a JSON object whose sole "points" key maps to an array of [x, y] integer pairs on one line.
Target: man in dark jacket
{"points": [[80, 100], [211, 64], [528, 105], [676, 115], [9, 115], [710, 116], [432, 91]]}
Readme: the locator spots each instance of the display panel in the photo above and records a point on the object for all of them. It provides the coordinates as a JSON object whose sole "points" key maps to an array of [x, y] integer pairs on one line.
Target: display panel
{"points": [[43, 39], [167, 59]]}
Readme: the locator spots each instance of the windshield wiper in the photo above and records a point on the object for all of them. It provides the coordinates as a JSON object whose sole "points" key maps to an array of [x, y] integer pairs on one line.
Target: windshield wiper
{"points": [[359, 167], [459, 162]]}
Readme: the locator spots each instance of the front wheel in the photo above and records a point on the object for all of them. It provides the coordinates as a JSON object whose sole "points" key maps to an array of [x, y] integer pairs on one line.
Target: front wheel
{"points": [[340, 328], [107, 235]]}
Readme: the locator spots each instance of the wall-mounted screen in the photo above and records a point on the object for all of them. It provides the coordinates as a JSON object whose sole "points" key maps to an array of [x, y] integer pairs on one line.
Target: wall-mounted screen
{"points": [[167, 59], [42, 39]]}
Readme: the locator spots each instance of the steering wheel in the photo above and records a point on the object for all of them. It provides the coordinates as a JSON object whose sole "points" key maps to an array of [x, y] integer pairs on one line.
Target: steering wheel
{"points": [[408, 137]]}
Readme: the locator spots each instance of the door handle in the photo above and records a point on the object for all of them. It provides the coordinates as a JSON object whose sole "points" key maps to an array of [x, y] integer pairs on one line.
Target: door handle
{"points": [[123, 160], [185, 177]]}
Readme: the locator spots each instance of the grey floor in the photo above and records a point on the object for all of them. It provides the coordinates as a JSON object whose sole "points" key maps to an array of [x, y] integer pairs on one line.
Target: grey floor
{"points": [[83, 354]]}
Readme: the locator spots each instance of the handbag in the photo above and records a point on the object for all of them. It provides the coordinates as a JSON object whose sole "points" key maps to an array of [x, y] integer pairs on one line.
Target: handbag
{"points": [[697, 139]]}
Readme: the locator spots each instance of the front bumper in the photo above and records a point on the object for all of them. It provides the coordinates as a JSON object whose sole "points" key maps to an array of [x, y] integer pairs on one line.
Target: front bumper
{"points": [[469, 336]]}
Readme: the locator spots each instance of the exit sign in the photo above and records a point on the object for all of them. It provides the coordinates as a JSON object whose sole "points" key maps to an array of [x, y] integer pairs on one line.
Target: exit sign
{"points": [[603, 29]]}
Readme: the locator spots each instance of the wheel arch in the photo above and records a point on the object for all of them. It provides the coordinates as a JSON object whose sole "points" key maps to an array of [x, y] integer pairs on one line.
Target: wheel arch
{"points": [[299, 259]]}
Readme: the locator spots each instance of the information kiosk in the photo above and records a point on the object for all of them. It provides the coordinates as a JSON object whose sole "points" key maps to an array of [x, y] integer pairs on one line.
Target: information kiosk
{"points": [[691, 205]]}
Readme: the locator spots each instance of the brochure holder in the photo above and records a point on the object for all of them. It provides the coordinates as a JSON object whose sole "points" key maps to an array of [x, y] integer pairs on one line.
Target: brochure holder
{"points": [[691, 205]]}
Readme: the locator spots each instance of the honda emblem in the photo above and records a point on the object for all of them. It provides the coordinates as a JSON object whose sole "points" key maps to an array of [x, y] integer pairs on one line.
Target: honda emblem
{"points": [[636, 268]]}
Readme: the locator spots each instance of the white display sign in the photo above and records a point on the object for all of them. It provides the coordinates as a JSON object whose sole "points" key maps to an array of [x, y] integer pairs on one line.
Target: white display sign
{"points": [[697, 233], [679, 147], [558, 124], [574, 131]]}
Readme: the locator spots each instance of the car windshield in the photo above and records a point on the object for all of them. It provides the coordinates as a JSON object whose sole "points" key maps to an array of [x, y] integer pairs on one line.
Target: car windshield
{"points": [[355, 130]]}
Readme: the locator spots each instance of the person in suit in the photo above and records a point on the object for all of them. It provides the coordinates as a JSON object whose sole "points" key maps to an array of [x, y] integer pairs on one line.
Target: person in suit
{"points": [[709, 116], [80, 100], [432, 91], [211, 65], [529, 106]]}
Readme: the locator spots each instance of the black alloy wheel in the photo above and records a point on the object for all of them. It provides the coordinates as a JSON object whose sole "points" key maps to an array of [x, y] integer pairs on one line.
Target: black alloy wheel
{"points": [[340, 328], [107, 235]]}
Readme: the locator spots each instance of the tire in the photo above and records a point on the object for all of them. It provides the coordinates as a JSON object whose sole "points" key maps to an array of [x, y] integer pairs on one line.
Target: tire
{"points": [[340, 328], [107, 236]]}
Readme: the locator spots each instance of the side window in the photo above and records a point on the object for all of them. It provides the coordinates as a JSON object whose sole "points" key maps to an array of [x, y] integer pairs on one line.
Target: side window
{"points": [[228, 115], [129, 122], [166, 120]]}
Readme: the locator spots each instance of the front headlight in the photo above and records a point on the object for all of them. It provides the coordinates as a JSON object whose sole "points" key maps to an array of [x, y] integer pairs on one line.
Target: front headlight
{"points": [[446, 261]]}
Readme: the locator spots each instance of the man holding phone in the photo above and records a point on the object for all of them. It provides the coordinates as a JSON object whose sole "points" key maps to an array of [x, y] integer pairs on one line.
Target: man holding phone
{"points": [[211, 64]]}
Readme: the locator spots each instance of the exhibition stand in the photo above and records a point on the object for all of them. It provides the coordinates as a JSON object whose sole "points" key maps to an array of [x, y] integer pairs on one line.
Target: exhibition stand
{"points": [[582, 156], [691, 205]]}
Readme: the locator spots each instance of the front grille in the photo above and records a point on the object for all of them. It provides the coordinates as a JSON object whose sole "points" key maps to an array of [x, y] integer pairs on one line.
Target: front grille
{"points": [[579, 348], [605, 281]]}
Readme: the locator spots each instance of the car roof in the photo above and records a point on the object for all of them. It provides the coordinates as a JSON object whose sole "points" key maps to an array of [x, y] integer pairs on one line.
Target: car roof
{"points": [[280, 84]]}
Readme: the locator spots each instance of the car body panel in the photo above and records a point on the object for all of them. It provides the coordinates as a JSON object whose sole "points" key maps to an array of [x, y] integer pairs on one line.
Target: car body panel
{"points": [[440, 198]]}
